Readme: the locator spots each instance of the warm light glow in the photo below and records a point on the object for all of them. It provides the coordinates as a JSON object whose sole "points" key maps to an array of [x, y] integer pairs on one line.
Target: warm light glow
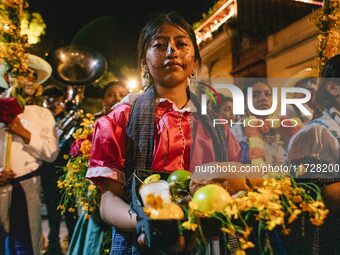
{"points": [[217, 19], [132, 85], [310, 2]]}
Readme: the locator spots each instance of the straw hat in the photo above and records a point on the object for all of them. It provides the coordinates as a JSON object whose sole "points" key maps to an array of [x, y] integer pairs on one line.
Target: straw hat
{"points": [[41, 67]]}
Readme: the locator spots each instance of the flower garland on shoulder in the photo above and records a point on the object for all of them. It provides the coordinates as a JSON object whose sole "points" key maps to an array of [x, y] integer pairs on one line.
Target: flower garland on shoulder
{"points": [[256, 132], [77, 191]]}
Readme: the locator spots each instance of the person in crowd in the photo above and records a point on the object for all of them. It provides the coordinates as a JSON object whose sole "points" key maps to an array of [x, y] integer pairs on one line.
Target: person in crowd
{"points": [[89, 234], [273, 137], [114, 92], [318, 144], [34, 141], [54, 98], [225, 108], [151, 131], [309, 83]]}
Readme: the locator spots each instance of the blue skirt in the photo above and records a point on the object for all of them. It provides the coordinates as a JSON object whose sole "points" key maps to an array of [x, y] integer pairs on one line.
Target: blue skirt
{"points": [[123, 243]]}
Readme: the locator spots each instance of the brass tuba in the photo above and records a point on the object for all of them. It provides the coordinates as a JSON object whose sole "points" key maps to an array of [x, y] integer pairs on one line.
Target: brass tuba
{"points": [[78, 67]]}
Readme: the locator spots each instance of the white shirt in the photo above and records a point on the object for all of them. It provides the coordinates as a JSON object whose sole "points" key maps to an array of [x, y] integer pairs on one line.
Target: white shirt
{"points": [[43, 146], [318, 139]]}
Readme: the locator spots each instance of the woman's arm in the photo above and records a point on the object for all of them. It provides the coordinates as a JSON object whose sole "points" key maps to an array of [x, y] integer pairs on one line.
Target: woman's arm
{"points": [[113, 210]]}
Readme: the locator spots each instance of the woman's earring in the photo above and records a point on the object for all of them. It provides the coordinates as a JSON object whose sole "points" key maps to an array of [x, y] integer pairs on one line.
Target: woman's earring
{"points": [[193, 78]]}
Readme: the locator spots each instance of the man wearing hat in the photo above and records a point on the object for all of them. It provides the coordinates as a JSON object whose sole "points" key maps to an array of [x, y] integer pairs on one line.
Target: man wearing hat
{"points": [[34, 141]]}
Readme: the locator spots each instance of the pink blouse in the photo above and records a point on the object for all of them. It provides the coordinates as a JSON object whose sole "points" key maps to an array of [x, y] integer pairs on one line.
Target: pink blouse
{"points": [[172, 142]]}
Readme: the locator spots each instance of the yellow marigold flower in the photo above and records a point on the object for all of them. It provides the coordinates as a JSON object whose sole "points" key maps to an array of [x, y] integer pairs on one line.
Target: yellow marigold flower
{"points": [[189, 226], [230, 231], [71, 210], [59, 184], [66, 156], [91, 187], [89, 115], [294, 216], [247, 232], [245, 244], [85, 206], [61, 207], [275, 221], [193, 205], [316, 221], [85, 148], [297, 199], [91, 209], [232, 211], [87, 216], [240, 252]]}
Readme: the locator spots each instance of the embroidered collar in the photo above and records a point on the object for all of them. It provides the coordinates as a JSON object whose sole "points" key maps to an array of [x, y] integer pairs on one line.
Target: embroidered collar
{"points": [[130, 99]]}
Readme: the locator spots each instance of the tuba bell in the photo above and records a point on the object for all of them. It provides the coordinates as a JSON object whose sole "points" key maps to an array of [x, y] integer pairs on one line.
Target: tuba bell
{"points": [[77, 67]]}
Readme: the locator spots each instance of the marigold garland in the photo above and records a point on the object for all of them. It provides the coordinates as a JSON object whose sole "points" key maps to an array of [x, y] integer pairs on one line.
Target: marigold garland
{"points": [[274, 205], [77, 191]]}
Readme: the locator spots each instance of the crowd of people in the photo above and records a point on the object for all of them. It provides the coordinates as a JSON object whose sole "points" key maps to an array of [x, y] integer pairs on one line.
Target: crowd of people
{"points": [[153, 131]]}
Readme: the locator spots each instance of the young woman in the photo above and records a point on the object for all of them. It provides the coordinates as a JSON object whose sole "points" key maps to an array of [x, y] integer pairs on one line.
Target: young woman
{"points": [[113, 93], [152, 131], [89, 234], [271, 138], [317, 144]]}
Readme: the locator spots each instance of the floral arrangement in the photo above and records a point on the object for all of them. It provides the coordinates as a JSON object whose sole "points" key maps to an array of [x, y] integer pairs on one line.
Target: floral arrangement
{"points": [[77, 191], [32, 25], [274, 205], [255, 136], [18, 30], [9, 109], [13, 45], [328, 25]]}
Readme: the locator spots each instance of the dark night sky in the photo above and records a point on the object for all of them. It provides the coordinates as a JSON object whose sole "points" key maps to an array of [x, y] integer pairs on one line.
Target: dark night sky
{"points": [[115, 36]]}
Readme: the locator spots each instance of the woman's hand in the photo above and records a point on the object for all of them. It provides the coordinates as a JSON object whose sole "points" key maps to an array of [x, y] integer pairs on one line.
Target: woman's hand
{"points": [[113, 209], [179, 246], [15, 127]]}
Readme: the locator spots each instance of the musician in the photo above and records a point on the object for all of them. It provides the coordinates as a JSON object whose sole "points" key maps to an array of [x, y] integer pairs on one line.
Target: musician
{"points": [[54, 98], [34, 141]]}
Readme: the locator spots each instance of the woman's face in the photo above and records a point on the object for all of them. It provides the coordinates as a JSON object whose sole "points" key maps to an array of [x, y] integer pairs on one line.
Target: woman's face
{"points": [[113, 95], [170, 57], [226, 110], [334, 90], [28, 85], [262, 96]]}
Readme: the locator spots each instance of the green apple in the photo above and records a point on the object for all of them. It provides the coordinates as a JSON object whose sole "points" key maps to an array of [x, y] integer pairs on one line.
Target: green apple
{"points": [[179, 176], [211, 197]]}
